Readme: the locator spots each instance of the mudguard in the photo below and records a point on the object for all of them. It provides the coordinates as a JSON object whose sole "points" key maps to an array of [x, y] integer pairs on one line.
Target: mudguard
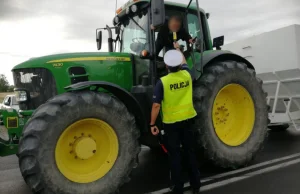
{"points": [[222, 55], [124, 96]]}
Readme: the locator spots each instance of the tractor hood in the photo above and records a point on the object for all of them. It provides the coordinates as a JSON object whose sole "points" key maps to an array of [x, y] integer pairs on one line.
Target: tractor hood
{"points": [[44, 61], [55, 72]]}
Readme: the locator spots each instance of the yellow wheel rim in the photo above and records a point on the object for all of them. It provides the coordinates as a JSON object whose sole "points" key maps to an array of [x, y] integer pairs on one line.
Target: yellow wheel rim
{"points": [[86, 150], [233, 115]]}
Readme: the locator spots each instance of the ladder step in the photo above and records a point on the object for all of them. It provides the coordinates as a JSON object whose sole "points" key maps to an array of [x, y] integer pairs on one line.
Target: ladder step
{"points": [[4, 137]]}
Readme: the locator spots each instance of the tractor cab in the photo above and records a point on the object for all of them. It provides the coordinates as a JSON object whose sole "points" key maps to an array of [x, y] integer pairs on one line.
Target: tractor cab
{"points": [[132, 26]]}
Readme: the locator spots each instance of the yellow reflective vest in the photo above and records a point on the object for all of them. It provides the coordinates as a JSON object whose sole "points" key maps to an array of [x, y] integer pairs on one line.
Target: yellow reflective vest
{"points": [[177, 103]]}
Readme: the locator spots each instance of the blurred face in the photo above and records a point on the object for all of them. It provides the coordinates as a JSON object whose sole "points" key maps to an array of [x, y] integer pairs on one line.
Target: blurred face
{"points": [[174, 25]]}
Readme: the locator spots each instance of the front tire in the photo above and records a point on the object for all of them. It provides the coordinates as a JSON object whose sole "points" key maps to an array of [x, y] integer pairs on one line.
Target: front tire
{"points": [[232, 113], [82, 142]]}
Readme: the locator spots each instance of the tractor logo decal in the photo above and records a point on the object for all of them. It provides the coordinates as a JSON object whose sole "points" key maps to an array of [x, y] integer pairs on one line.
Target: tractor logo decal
{"points": [[60, 61], [58, 65]]}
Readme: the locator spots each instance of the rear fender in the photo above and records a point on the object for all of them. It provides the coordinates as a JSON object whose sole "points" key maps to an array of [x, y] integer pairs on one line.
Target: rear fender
{"points": [[128, 99], [221, 55]]}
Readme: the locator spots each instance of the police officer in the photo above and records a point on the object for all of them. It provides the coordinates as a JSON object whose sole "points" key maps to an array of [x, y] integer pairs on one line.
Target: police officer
{"points": [[173, 94]]}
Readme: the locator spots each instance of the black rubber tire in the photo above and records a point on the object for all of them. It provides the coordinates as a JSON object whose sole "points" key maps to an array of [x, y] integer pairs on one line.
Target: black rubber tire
{"points": [[215, 77], [41, 133], [279, 127]]}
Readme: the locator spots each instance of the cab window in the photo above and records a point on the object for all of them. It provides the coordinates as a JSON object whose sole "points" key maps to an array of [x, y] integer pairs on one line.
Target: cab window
{"points": [[134, 40], [134, 34]]}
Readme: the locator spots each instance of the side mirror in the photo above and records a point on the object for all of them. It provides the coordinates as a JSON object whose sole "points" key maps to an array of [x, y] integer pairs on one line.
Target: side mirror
{"points": [[158, 13], [207, 15], [218, 42], [99, 40]]}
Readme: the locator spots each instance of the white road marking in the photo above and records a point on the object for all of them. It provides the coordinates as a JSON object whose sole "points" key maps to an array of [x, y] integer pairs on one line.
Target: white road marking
{"points": [[250, 167], [249, 175], [238, 171]]}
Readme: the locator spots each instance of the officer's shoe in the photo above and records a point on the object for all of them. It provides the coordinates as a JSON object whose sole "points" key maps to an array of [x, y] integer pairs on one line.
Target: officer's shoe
{"points": [[196, 191]]}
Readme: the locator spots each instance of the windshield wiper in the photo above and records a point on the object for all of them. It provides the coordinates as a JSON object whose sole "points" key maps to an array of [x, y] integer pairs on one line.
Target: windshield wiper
{"points": [[137, 24]]}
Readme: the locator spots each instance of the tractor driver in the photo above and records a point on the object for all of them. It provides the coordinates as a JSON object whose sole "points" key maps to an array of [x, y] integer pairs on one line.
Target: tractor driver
{"points": [[173, 93], [165, 36]]}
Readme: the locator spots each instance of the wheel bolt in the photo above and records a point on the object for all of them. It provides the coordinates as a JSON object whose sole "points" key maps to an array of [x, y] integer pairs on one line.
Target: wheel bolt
{"points": [[82, 134], [75, 137], [94, 151], [71, 152], [75, 157], [90, 135], [70, 144]]}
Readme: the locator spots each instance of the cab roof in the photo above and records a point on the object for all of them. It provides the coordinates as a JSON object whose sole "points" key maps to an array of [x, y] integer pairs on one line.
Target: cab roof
{"points": [[193, 6]]}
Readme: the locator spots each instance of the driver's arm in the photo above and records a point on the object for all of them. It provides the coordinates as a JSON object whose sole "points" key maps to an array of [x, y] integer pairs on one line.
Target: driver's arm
{"points": [[159, 43], [177, 47]]}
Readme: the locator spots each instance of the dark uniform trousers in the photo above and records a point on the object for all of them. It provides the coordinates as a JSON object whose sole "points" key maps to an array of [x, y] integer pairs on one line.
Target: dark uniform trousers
{"points": [[177, 134]]}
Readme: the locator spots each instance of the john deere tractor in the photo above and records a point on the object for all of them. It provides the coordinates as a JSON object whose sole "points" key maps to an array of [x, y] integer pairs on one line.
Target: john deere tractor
{"points": [[84, 116]]}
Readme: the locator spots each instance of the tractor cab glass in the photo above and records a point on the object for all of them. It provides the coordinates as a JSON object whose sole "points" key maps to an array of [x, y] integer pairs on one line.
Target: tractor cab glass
{"points": [[134, 40], [134, 34]]}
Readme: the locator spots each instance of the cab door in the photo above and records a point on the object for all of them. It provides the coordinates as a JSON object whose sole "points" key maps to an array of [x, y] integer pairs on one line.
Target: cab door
{"points": [[195, 56]]}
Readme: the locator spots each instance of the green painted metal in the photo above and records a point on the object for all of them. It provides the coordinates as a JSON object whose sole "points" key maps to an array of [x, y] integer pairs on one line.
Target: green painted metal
{"points": [[9, 149], [13, 132], [110, 69]]}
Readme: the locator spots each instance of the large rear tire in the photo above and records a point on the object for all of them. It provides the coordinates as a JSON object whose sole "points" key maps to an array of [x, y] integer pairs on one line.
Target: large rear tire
{"points": [[83, 142], [232, 113]]}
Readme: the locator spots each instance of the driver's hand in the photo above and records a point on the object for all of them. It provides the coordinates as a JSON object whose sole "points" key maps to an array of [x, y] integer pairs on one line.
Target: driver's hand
{"points": [[192, 41], [152, 27], [176, 45]]}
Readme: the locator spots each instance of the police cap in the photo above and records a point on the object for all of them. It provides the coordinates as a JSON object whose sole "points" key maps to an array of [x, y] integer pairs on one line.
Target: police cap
{"points": [[173, 58]]}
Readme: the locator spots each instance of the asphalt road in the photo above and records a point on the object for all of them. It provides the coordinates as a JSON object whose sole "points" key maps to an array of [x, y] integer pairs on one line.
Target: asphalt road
{"points": [[269, 173]]}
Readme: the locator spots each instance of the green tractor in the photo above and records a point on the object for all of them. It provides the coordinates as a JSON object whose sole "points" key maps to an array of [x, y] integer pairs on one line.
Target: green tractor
{"points": [[84, 116]]}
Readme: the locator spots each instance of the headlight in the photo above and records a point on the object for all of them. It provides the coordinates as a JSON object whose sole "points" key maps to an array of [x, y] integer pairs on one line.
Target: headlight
{"points": [[21, 95]]}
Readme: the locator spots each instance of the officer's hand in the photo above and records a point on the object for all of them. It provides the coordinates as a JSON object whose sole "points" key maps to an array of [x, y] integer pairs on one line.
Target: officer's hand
{"points": [[154, 130]]}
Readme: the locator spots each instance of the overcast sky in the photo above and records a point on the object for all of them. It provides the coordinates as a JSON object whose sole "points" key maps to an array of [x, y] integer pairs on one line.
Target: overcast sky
{"points": [[31, 28]]}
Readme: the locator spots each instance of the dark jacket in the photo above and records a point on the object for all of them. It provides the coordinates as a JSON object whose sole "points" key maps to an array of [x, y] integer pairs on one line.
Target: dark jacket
{"points": [[165, 38]]}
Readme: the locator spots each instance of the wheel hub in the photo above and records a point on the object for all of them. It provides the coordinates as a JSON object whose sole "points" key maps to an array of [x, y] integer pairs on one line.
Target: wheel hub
{"points": [[233, 115], [77, 152], [84, 148], [222, 114]]}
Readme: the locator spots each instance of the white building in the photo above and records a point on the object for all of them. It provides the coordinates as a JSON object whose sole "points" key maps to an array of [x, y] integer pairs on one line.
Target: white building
{"points": [[271, 51], [276, 58]]}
